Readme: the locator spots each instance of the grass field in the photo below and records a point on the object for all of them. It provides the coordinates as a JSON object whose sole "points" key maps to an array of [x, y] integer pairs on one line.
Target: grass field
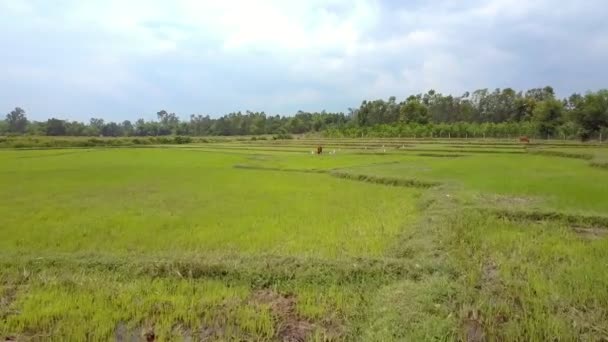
{"points": [[375, 240]]}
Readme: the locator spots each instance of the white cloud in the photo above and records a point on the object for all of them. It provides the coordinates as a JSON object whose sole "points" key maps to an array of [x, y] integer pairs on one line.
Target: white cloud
{"points": [[219, 56]]}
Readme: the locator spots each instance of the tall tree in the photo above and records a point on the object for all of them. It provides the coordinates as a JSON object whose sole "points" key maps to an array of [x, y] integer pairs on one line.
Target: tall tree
{"points": [[127, 128], [75, 128], [591, 112], [16, 121], [3, 127], [413, 111], [168, 122], [55, 127], [548, 114], [111, 129], [95, 126]]}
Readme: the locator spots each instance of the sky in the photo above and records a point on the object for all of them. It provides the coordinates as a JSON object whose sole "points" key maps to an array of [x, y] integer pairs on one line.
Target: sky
{"points": [[128, 59]]}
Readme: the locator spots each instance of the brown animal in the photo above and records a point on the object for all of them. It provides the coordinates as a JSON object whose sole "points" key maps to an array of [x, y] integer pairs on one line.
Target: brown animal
{"points": [[319, 150], [524, 139]]}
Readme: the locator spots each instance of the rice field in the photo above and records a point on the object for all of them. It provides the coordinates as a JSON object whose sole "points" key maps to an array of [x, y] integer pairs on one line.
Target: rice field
{"points": [[264, 240]]}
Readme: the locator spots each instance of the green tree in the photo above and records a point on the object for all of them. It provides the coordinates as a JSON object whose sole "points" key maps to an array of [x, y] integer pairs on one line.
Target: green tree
{"points": [[413, 111], [75, 128], [36, 128], [548, 115], [16, 121], [168, 122], [362, 114], [3, 127], [541, 94], [183, 129], [95, 126], [140, 128], [111, 129], [55, 127], [127, 128], [200, 125], [591, 112], [524, 107]]}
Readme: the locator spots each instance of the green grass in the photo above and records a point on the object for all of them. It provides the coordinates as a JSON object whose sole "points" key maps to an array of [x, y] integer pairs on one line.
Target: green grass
{"points": [[597, 155], [542, 281], [260, 240], [562, 184], [173, 201]]}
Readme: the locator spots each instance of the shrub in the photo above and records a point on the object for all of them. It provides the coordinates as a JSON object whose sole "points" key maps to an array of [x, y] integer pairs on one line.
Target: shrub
{"points": [[182, 140], [163, 140], [282, 136]]}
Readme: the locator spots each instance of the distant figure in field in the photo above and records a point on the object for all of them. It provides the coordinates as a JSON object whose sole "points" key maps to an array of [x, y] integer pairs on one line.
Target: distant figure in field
{"points": [[524, 139], [319, 150]]}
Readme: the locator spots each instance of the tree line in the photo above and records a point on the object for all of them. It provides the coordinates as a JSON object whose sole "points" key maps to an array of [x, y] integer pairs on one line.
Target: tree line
{"points": [[498, 113], [248, 123]]}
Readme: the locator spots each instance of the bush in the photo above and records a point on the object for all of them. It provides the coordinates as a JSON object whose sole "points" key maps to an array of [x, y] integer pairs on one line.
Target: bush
{"points": [[182, 140], [94, 142], [163, 140], [282, 136]]}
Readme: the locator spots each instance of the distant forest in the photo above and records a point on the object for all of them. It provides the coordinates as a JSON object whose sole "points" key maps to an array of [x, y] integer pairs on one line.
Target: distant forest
{"points": [[500, 113]]}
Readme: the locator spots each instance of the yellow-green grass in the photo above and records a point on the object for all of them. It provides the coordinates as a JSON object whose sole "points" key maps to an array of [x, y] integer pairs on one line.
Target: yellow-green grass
{"points": [[598, 155], [134, 201], [542, 281], [559, 183], [243, 241], [102, 306]]}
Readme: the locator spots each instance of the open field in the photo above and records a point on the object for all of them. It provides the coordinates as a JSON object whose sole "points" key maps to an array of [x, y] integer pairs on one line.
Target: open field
{"points": [[241, 239]]}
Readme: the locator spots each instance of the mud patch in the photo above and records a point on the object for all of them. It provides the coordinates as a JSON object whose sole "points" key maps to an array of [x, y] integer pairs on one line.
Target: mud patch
{"points": [[261, 157], [592, 233], [260, 168], [412, 183], [465, 151], [208, 334], [504, 201], [562, 154], [150, 336], [440, 155], [7, 297], [600, 165], [490, 273], [123, 333], [472, 327], [290, 327], [583, 221], [490, 281]]}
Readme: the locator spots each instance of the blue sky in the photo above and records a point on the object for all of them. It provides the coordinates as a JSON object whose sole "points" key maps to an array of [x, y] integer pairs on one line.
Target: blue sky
{"points": [[129, 59]]}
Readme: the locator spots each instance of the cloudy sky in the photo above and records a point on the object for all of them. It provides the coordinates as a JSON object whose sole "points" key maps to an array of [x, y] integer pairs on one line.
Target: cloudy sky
{"points": [[125, 59]]}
